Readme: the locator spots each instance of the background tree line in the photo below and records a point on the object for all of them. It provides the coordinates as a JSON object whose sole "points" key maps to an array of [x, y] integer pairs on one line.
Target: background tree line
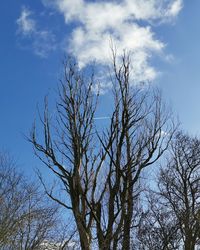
{"points": [[100, 171]]}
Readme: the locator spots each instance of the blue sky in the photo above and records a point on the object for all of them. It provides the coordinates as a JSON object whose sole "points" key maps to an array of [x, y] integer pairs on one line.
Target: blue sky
{"points": [[164, 38]]}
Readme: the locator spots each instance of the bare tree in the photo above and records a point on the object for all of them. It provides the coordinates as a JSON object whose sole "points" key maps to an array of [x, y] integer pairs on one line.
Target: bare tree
{"points": [[100, 173], [158, 228], [9, 182], [179, 189], [26, 217]]}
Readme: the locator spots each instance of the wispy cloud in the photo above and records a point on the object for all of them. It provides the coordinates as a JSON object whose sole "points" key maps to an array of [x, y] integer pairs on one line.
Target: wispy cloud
{"points": [[42, 42], [100, 21], [26, 24], [175, 8]]}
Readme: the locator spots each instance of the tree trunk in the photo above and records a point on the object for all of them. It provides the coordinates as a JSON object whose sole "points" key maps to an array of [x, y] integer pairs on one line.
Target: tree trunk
{"points": [[189, 243], [127, 226], [85, 238]]}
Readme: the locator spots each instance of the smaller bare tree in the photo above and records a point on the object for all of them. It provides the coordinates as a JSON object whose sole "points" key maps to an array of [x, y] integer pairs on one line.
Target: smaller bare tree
{"points": [[158, 228], [27, 218], [179, 192]]}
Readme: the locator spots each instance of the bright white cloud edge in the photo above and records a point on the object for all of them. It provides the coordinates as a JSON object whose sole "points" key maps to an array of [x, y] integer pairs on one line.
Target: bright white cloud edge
{"points": [[100, 22]]}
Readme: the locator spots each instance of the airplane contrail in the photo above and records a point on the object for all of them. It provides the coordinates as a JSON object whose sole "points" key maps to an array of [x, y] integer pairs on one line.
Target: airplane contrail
{"points": [[102, 118]]}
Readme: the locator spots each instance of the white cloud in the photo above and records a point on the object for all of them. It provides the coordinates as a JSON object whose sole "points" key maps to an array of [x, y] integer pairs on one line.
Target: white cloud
{"points": [[99, 22], [26, 24], [175, 8], [41, 41]]}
